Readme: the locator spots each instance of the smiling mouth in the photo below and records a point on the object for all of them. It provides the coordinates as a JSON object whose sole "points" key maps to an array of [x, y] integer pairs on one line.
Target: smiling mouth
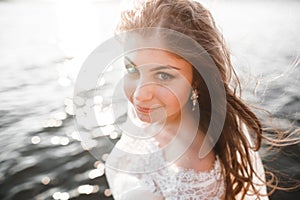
{"points": [[144, 110]]}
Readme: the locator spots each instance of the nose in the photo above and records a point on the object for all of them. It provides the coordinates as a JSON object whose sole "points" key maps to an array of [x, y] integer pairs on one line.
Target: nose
{"points": [[144, 92]]}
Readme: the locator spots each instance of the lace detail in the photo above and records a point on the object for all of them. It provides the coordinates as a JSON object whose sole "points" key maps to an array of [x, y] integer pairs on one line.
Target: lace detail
{"points": [[169, 183], [176, 183]]}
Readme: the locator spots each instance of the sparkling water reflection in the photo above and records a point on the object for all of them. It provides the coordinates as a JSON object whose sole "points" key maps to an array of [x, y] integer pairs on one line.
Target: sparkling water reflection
{"points": [[43, 44]]}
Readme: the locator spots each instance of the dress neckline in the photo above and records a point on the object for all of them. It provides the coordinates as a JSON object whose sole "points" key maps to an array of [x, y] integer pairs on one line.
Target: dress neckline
{"points": [[215, 168]]}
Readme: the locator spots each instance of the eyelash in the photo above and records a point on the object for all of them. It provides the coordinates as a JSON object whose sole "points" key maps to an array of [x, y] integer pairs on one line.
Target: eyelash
{"points": [[169, 76], [131, 69]]}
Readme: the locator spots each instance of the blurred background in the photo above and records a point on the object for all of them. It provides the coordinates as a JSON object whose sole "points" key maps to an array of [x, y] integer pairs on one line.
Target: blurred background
{"points": [[43, 44]]}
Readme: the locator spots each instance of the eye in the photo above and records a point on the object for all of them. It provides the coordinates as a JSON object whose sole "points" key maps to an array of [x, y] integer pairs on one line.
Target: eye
{"points": [[131, 69], [164, 76]]}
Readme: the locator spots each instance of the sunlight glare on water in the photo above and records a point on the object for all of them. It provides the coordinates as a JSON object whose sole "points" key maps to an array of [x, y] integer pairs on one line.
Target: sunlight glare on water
{"points": [[43, 45], [81, 28]]}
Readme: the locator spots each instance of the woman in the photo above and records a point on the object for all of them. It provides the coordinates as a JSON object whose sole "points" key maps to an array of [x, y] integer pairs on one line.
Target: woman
{"points": [[165, 90]]}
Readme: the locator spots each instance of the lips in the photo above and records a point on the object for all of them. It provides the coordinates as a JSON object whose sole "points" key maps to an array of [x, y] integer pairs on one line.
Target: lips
{"points": [[145, 110]]}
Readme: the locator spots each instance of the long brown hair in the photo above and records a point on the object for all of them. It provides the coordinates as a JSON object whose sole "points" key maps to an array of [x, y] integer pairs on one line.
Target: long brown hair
{"points": [[192, 19]]}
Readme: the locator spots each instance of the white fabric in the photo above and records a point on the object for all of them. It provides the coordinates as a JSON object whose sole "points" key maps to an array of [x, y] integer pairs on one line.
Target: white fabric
{"points": [[170, 182], [167, 183]]}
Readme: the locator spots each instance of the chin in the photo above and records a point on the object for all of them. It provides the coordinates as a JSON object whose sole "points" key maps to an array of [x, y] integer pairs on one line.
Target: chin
{"points": [[149, 120], [145, 119]]}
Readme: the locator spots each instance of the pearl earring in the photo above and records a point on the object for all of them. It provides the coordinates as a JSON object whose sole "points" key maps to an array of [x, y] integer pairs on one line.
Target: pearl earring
{"points": [[194, 98]]}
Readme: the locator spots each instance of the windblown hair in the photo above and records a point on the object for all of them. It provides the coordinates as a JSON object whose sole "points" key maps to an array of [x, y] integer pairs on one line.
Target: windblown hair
{"points": [[192, 19]]}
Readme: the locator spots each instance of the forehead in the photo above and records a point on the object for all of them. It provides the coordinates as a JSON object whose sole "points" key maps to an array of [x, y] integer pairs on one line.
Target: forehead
{"points": [[158, 57]]}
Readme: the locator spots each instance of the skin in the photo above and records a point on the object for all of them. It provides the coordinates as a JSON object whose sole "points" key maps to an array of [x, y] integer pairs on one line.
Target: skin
{"points": [[158, 84]]}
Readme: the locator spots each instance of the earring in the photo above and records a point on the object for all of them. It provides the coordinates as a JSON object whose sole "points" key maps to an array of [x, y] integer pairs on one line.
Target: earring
{"points": [[194, 98]]}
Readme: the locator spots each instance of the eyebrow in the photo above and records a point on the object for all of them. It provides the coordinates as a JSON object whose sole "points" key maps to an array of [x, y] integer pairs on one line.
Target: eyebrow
{"points": [[130, 61], [156, 68]]}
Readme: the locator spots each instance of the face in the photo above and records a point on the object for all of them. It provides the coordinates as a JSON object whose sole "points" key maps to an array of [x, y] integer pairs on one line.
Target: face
{"points": [[158, 84]]}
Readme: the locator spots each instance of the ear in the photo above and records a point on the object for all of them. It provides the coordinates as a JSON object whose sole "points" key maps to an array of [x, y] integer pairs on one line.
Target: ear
{"points": [[196, 79], [195, 84]]}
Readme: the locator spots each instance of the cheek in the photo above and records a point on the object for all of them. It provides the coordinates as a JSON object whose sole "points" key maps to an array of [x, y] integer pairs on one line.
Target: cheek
{"points": [[129, 87], [174, 98]]}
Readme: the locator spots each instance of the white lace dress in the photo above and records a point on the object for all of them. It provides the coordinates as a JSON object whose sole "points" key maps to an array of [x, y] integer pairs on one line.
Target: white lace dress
{"points": [[152, 178], [132, 178]]}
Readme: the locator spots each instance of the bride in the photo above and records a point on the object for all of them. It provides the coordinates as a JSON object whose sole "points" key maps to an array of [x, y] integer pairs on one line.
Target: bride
{"points": [[187, 140]]}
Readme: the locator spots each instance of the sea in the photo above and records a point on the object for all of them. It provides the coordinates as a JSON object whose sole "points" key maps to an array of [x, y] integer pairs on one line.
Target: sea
{"points": [[43, 44]]}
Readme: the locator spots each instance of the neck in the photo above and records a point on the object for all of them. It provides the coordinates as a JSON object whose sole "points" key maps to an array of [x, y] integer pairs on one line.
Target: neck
{"points": [[183, 126]]}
